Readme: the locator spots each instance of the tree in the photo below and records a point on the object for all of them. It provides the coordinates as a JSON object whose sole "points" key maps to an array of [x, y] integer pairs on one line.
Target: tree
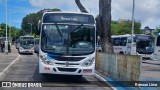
{"points": [[14, 32], [30, 21], [105, 25], [80, 6], [156, 31], [124, 27]]}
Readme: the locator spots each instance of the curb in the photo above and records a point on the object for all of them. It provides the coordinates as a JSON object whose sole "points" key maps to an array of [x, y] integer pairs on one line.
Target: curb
{"points": [[104, 81], [3, 73]]}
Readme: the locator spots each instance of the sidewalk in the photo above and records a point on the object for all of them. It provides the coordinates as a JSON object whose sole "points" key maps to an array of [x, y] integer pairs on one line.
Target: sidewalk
{"points": [[150, 71], [7, 60], [154, 62]]}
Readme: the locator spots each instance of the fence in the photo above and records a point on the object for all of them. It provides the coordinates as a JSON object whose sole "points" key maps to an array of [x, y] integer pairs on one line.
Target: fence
{"points": [[121, 67]]}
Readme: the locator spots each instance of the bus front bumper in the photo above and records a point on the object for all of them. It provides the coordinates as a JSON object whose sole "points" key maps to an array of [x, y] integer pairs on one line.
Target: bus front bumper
{"points": [[65, 70], [26, 51]]}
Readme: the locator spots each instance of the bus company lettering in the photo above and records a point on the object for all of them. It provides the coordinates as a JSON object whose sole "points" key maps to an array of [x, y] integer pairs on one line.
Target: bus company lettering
{"points": [[146, 84], [69, 19], [118, 48]]}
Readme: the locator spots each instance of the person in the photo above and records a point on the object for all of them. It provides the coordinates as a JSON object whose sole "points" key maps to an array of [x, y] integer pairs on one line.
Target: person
{"points": [[9, 48], [2, 46]]}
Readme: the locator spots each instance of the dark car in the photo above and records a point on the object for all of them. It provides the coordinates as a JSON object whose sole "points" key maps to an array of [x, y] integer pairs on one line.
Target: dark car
{"points": [[36, 49]]}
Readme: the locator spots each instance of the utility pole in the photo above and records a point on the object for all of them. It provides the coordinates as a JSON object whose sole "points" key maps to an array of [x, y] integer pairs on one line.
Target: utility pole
{"points": [[6, 42], [132, 27]]}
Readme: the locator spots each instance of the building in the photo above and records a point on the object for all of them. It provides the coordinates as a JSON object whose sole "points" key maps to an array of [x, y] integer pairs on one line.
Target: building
{"points": [[148, 31]]}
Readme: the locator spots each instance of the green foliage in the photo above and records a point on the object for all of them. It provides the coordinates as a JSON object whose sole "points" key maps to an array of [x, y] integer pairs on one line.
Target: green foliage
{"points": [[124, 27], [14, 32], [156, 31], [31, 21]]}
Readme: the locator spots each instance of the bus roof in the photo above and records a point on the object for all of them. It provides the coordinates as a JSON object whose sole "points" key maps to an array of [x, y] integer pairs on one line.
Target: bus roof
{"points": [[129, 35], [26, 36], [68, 12], [68, 17]]}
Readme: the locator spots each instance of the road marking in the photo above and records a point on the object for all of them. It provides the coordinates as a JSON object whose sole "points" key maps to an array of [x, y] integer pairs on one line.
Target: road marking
{"points": [[2, 74], [104, 80]]}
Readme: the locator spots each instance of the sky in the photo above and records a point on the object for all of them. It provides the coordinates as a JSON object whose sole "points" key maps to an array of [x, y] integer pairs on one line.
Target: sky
{"points": [[146, 11]]}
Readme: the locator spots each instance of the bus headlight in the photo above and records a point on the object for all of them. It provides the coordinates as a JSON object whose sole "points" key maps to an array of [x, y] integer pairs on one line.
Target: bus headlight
{"points": [[45, 60], [21, 48], [88, 62]]}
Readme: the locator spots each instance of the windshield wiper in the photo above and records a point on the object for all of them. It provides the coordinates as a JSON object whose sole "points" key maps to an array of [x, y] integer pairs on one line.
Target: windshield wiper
{"points": [[59, 31], [76, 29]]}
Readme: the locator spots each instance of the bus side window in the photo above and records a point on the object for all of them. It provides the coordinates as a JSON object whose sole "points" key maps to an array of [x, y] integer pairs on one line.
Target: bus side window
{"points": [[116, 41], [158, 41], [123, 41], [129, 41]]}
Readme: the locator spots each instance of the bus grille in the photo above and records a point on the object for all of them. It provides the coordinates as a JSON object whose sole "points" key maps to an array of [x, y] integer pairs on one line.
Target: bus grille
{"points": [[68, 58], [67, 69]]}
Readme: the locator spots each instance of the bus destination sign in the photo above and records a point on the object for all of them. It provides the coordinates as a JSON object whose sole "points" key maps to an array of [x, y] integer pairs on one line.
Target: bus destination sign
{"points": [[68, 18]]}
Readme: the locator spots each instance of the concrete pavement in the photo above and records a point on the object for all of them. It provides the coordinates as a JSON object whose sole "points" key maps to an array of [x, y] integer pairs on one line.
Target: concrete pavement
{"points": [[7, 60]]}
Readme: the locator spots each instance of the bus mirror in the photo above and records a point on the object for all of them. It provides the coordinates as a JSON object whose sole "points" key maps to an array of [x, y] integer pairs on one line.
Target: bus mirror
{"points": [[39, 25]]}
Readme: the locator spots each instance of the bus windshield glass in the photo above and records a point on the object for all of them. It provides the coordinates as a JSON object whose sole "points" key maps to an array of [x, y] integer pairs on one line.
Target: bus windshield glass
{"points": [[145, 45], [68, 39], [158, 41], [27, 43]]}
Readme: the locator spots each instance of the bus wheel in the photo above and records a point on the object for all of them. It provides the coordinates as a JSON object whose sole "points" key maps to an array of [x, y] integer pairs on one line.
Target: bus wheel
{"points": [[79, 76], [121, 52]]}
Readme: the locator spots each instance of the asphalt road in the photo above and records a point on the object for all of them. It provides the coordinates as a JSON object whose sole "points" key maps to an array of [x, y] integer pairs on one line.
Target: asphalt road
{"points": [[150, 71], [27, 70]]}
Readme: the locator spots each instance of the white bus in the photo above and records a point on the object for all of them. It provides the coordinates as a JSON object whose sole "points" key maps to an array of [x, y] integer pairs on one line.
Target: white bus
{"points": [[67, 44], [142, 45], [26, 44], [157, 47]]}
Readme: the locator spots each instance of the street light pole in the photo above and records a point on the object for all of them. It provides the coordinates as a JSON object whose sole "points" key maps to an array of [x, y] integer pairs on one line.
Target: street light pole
{"points": [[31, 28], [10, 27], [132, 27], [6, 42]]}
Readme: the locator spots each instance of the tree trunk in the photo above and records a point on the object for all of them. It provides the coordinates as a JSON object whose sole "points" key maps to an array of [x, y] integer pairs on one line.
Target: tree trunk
{"points": [[105, 25], [80, 6]]}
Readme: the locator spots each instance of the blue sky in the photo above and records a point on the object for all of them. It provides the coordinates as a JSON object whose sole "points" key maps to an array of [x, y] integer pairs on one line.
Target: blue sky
{"points": [[146, 11], [17, 9]]}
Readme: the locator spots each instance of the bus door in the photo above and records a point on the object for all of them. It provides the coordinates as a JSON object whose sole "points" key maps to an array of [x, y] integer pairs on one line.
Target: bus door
{"points": [[129, 42], [157, 48]]}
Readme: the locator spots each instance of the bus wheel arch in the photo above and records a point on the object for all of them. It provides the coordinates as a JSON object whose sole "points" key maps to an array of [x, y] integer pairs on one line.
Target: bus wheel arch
{"points": [[121, 52]]}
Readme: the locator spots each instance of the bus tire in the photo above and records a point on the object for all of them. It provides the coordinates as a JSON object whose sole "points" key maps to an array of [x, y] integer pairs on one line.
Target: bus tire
{"points": [[121, 52]]}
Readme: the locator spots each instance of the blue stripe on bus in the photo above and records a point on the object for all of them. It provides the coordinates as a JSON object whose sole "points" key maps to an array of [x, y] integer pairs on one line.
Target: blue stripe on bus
{"points": [[49, 56]]}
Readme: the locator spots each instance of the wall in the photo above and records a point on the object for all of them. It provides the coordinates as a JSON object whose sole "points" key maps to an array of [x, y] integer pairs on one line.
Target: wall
{"points": [[121, 67]]}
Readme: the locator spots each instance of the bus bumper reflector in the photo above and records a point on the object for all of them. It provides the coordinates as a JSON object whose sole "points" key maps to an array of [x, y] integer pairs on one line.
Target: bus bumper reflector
{"points": [[87, 71]]}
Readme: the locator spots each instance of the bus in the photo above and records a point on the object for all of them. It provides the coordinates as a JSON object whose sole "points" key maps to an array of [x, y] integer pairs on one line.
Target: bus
{"points": [[36, 45], [157, 47], [142, 45], [67, 44], [16, 43], [26, 44]]}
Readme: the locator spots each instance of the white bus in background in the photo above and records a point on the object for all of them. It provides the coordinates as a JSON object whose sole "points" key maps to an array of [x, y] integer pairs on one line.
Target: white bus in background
{"points": [[157, 47], [142, 45], [67, 44], [26, 44]]}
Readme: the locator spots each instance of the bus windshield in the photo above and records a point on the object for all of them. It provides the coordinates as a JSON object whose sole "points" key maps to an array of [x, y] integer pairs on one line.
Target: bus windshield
{"points": [[145, 46], [68, 39], [27, 43]]}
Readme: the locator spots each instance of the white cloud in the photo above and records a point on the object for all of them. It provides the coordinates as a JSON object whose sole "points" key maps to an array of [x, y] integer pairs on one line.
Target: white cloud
{"points": [[146, 11], [0, 1], [66, 5]]}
